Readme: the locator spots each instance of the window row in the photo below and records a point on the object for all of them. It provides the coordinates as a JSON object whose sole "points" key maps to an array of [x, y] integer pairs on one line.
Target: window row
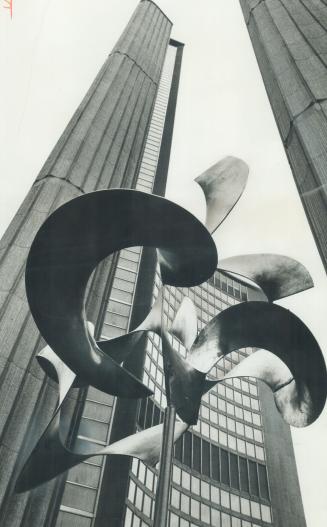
{"points": [[232, 442], [153, 347], [215, 418], [205, 490], [119, 306], [230, 424], [202, 511], [85, 474], [133, 520], [207, 305], [140, 499], [159, 395], [221, 465], [69, 517], [217, 518], [233, 410], [149, 414], [196, 500], [241, 384], [79, 497], [240, 398], [145, 475], [221, 390]]}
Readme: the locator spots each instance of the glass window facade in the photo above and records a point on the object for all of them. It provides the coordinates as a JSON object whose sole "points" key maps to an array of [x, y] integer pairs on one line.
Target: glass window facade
{"points": [[219, 474]]}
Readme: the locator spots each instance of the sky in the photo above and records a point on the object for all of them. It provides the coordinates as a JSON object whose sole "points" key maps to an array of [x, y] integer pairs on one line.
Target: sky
{"points": [[50, 52]]}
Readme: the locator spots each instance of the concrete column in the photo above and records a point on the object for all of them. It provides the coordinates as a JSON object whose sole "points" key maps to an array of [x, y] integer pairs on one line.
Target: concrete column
{"points": [[289, 38], [100, 148]]}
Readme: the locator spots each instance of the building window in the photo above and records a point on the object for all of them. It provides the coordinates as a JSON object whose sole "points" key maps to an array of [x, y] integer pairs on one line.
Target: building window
{"points": [[215, 462], [205, 513], [234, 471], [195, 508], [224, 499], [245, 506], [224, 467], [244, 474], [195, 487], [174, 500], [263, 481], [266, 514]]}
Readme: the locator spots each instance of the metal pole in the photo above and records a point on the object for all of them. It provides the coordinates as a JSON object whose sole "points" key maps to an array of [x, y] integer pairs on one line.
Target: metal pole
{"points": [[163, 485]]}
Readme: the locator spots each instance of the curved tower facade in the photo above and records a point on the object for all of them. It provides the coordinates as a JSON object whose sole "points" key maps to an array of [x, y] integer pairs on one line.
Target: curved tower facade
{"points": [[223, 473], [289, 38]]}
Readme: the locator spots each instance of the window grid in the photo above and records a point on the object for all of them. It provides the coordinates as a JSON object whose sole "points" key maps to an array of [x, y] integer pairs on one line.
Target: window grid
{"points": [[232, 409]]}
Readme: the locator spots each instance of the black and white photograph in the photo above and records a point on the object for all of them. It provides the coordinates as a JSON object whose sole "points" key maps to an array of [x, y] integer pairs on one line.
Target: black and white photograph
{"points": [[163, 259]]}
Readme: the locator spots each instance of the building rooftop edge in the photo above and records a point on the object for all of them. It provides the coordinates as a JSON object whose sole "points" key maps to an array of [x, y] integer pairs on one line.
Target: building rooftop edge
{"points": [[164, 14], [176, 43]]}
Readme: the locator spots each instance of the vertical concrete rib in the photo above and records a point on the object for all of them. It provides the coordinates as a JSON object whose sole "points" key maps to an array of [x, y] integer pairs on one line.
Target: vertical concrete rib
{"points": [[100, 147], [290, 42]]}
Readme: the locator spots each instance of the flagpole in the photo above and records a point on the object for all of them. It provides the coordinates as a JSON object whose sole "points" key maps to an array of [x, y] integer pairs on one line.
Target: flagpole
{"points": [[164, 478]]}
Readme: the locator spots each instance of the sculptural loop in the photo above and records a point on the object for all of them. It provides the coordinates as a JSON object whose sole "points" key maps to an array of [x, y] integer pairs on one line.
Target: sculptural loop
{"points": [[74, 239], [80, 234]]}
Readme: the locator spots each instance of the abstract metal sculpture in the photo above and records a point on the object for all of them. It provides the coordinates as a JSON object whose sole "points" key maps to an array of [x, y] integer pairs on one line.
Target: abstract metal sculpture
{"points": [[66, 250], [278, 276], [70, 244], [223, 185]]}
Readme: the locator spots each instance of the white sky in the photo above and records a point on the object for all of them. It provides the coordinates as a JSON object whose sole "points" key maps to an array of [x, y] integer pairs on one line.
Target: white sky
{"points": [[49, 54]]}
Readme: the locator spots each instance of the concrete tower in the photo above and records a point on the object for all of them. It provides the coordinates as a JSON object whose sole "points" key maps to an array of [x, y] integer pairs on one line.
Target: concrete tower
{"points": [[102, 147], [289, 38]]}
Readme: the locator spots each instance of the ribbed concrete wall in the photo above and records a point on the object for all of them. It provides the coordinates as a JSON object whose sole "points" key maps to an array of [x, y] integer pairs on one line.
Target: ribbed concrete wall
{"points": [[285, 493], [100, 148], [290, 42]]}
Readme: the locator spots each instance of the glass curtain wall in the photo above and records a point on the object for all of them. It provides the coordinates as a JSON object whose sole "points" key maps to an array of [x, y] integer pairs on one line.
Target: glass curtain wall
{"points": [[219, 473]]}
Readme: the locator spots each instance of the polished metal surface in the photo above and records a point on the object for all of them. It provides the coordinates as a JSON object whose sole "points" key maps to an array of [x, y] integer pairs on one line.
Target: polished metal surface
{"points": [[292, 399], [51, 457], [278, 276], [184, 383], [223, 185], [165, 468], [57, 370], [185, 323], [65, 252], [273, 328], [68, 247], [119, 348]]}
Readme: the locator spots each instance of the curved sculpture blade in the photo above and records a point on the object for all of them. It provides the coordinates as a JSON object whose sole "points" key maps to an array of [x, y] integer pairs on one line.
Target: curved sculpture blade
{"points": [[145, 445], [117, 349], [223, 185], [268, 326], [210, 383], [278, 276], [68, 247], [57, 370], [294, 404], [185, 324], [50, 457], [153, 321], [184, 384], [120, 347]]}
